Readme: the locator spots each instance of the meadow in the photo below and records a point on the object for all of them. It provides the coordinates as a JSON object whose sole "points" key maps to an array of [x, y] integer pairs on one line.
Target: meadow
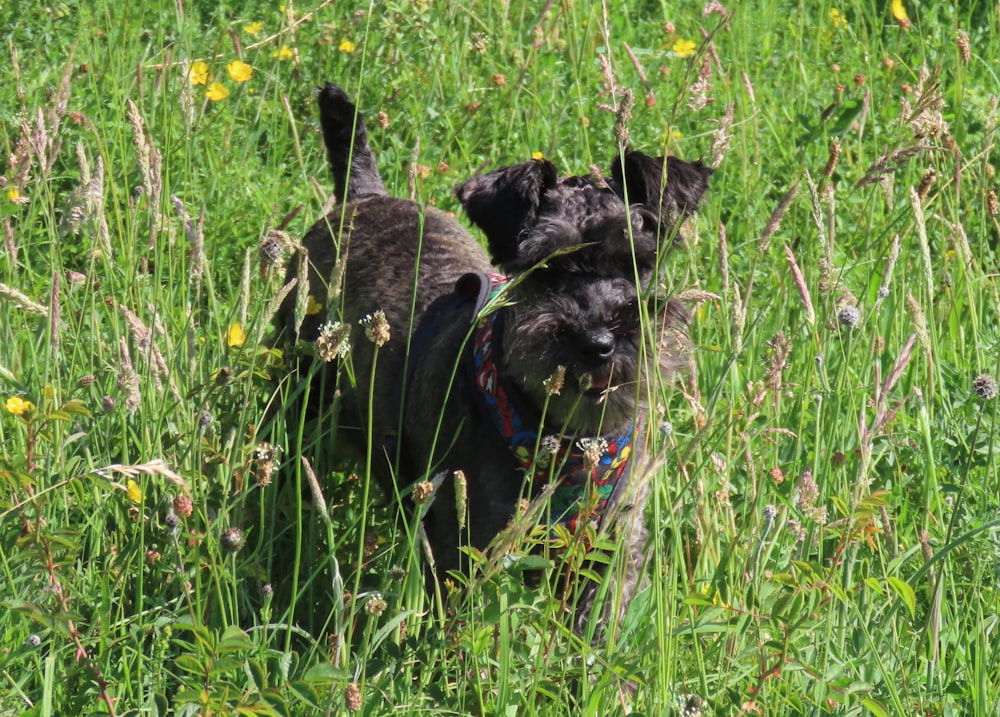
{"points": [[825, 513]]}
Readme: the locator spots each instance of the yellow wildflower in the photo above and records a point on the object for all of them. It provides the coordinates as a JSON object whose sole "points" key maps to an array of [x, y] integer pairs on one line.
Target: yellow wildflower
{"points": [[285, 53], [684, 48], [13, 194], [133, 491], [899, 12], [347, 47], [239, 71], [198, 73], [235, 336], [313, 307], [837, 19], [18, 406], [253, 28], [537, 155], [217, 92]]}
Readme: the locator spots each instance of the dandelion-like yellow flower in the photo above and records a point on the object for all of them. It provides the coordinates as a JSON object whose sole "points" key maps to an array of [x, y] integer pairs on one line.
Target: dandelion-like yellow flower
{"points": [[239, 71], [837, 19], [18, 406], [253, 28], [217, 92], [537, 155], [235, 336], [285, 53], [346, 46], [899, 13], [313, 307], [198, 74], [684, 48], [13, 194], [133, 491]]}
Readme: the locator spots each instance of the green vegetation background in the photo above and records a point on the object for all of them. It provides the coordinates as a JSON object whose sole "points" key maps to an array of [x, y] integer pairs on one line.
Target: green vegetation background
{"points": [[826, 537]]}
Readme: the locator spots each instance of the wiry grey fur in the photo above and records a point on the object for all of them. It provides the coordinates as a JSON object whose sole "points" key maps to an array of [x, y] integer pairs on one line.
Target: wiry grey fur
{"points": [[583, 264]]}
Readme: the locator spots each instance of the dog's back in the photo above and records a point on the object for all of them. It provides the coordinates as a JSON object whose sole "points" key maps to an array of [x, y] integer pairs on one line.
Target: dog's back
{"points": [[373, 252]]}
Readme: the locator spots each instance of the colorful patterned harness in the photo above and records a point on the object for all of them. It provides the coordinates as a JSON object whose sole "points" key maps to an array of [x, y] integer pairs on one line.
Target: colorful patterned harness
{"points": [[584, 471]]}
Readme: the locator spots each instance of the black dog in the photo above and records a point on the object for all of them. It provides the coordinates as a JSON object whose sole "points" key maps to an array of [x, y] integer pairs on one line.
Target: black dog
{"points": [[530, 379]]}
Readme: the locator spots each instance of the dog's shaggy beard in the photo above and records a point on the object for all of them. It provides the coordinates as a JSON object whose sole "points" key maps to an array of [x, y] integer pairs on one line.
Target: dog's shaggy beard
{"points": [[597, 396]]}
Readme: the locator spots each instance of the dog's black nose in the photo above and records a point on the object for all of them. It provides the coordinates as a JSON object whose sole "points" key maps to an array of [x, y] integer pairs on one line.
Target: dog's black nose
{"points": [[598, 344]]}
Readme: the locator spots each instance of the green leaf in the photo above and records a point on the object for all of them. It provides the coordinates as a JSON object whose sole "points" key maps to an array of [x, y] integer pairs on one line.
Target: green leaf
{"points": [[875, 707], [190, 663], [323, 673], [256, 675], [286, 663], [224, 665], [528, 562], [233, 640], [905, 592]]}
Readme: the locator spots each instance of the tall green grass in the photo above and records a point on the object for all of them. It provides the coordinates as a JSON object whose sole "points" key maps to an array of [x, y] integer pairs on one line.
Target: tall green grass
{"points": [[825, 501]]}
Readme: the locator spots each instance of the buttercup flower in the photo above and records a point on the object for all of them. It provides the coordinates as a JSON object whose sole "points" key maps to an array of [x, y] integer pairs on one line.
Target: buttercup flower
{"points": [[253, 28], [347, 47], [313, 307], [837, 19], [239, 71], [536, 155], [18, 406], [217, 92], [684, 48], [133, 491], [285, 53], [235, 336], [899, 13], [198, 74]]}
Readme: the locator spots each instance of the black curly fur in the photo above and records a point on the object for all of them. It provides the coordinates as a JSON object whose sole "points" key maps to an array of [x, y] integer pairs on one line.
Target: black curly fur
{"points": [[583, 266]]}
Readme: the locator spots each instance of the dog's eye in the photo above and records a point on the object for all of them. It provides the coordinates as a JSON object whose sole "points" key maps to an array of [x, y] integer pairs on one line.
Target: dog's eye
{"points": [[628, 315]]}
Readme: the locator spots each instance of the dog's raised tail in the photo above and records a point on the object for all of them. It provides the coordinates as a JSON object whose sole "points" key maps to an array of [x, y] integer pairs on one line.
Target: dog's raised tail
{"points": [[355, 173]]}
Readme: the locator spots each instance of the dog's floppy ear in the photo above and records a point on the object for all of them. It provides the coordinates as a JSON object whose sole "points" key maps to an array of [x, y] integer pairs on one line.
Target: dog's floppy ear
{"points": [[504, 201], [678, 190]]}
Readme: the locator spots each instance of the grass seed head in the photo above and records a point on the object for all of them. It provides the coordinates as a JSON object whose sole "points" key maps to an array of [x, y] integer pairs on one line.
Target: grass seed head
{"points": [[376, 328], [232, 540], [554, 383], [422, 491], [333, 341], [352, 698], [183, 506], [849, 316], [985, 386]]}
